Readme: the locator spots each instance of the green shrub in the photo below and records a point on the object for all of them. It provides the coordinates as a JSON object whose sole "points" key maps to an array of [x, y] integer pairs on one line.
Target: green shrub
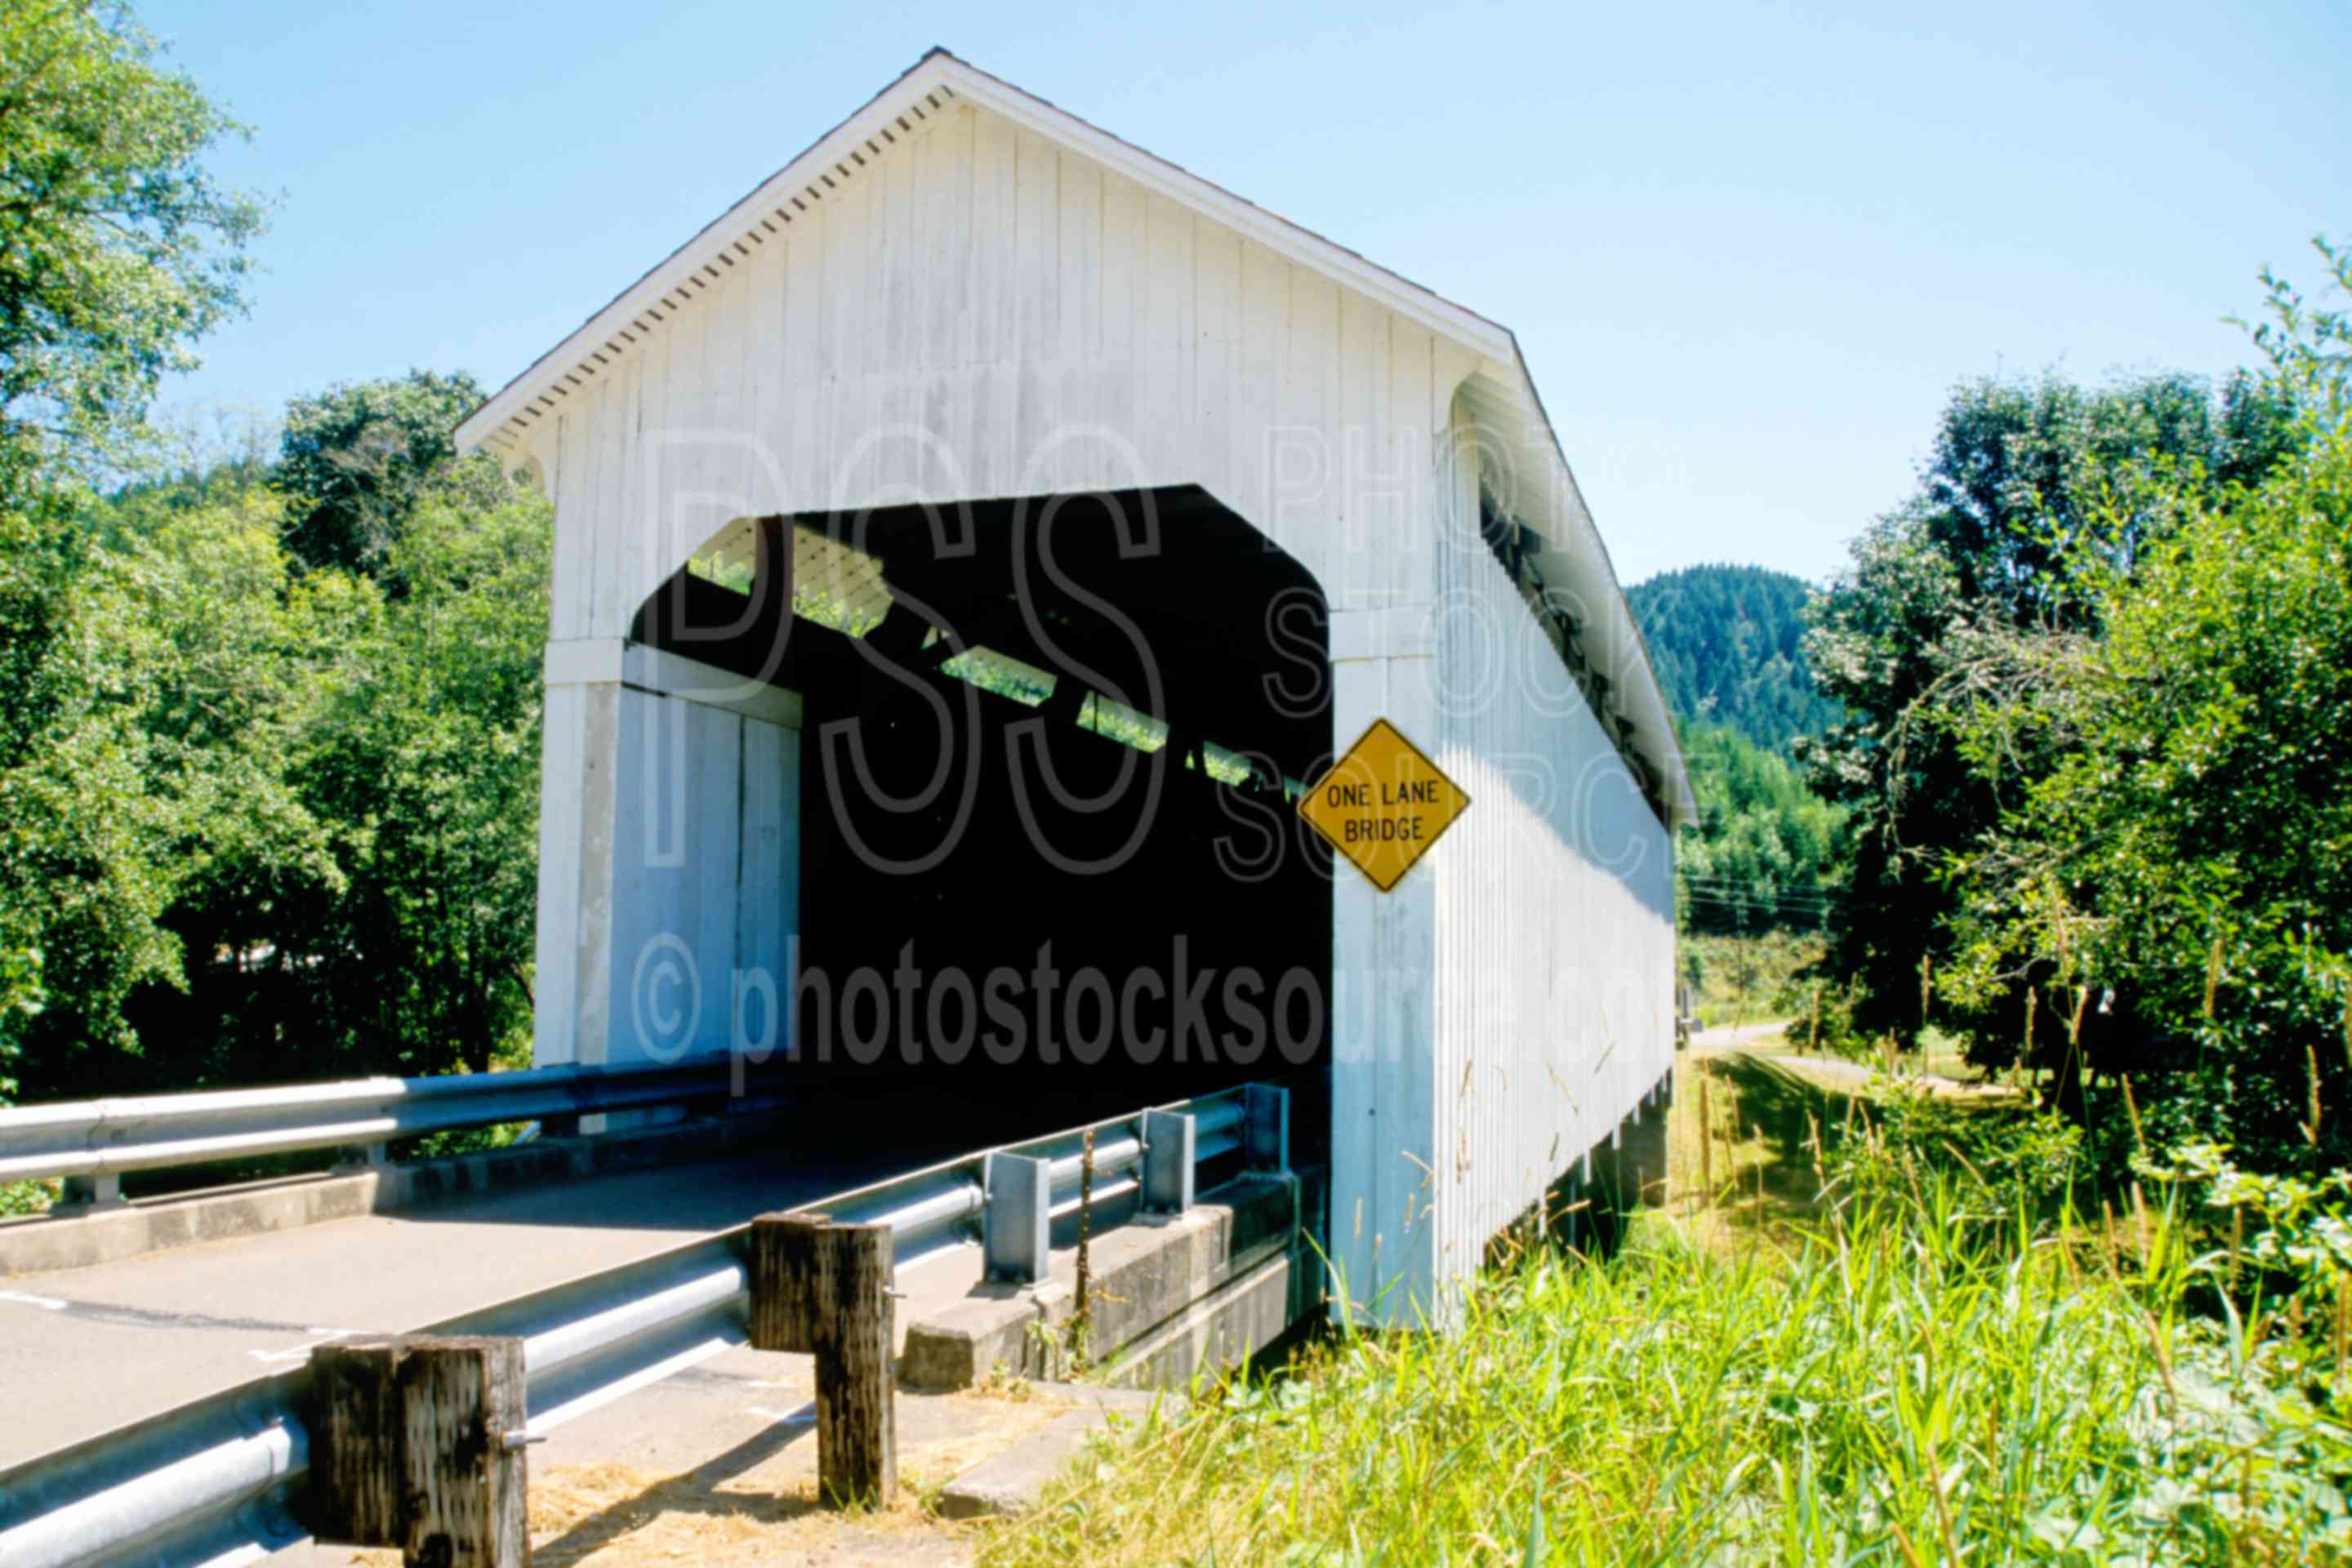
{"points": [[18, 1199], [2014, 1159]]}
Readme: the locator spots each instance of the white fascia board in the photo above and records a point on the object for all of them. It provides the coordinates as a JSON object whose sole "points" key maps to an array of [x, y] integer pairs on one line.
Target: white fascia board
{"points": [[720, 234]]}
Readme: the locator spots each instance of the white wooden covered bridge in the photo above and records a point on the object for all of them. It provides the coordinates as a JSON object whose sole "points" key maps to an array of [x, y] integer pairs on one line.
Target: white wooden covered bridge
{"points": [[968, 547]]}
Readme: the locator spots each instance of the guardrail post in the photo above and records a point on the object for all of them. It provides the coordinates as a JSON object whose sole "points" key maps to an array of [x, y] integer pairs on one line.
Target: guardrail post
{"points": [[1018, 1220], [1170, 1138], [104, 1191], [1266, 1128], [785, 1297], [419, 1443], [857, 1442], [363, 1156], [827, 1289]]}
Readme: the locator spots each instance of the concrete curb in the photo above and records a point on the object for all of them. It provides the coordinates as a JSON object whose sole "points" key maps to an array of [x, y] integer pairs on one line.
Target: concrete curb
{"points": [[1012, 1481], [1147, 1274]]}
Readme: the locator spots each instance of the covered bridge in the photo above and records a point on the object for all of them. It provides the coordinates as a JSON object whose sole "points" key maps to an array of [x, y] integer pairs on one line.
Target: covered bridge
{"points": [[970, 550]]}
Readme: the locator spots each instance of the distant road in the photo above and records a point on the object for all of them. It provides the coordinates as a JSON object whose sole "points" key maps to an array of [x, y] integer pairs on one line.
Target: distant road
{"points": [[1707, 1042]]}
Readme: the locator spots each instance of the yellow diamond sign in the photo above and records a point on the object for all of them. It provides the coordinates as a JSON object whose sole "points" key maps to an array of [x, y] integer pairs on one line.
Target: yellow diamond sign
{"points": [[1383, 805]]}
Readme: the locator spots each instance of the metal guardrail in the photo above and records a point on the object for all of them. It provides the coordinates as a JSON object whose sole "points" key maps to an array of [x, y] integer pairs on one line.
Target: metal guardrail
{"points": [[218, 1478], [98, 1140]]}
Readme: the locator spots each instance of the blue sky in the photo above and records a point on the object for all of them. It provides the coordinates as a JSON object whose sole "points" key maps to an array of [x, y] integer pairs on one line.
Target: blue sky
{"points": [[1747, 249]]}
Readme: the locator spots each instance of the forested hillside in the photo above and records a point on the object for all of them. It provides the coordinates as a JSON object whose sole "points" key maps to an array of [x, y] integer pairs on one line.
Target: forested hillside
{"points": [[1764, 854], [1728, 645]]}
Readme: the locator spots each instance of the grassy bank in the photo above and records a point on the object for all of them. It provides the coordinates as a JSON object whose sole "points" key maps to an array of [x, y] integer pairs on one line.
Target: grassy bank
{"points": [[1908, 1376]]}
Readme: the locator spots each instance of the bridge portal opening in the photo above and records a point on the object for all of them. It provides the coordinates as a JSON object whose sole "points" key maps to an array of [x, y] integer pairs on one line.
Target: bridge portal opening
{"points": [[1049, 754]]}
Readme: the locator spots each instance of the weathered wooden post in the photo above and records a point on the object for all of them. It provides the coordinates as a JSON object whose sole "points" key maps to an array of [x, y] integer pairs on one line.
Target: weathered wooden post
{"points": [[1082, 1311], [1706, 1139], [418, 1443], [784, 1264], [857, 1446], [827, 1289]]}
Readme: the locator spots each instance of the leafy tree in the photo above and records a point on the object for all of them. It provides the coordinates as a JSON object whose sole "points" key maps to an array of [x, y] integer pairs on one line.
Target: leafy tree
{"points": [[261, 816], [428, 760], [2181, 848], [158, 785], [21, 996], [2014, 508], [283, 823], [1728, 645], [358, 458], [117, 248]]}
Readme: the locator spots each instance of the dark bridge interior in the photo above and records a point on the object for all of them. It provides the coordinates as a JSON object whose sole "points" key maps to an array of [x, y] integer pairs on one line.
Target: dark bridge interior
{"points": [[1060, 733]]}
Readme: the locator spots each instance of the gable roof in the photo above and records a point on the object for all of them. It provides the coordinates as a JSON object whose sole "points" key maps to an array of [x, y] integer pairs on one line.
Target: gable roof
{"points": [[927, 86], [1574, 548]]}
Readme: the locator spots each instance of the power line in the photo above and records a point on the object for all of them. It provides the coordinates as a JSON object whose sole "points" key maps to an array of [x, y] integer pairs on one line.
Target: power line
{"points": [[1758, 893]]}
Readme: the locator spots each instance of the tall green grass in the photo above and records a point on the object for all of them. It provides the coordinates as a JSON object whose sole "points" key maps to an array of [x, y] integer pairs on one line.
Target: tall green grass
{"points": [[1916, 1380]]}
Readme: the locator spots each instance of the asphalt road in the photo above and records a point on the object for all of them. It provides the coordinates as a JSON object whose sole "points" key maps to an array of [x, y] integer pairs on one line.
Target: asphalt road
{"points": [[85, 1350]]}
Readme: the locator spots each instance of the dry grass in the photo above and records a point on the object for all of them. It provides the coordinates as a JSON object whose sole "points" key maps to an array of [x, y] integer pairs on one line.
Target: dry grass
{"points": [[618, 1516], [1741, 1153]]}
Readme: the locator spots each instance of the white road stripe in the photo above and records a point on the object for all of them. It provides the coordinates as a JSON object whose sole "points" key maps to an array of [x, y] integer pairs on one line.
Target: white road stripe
{"points": [[326, 1336], [46, 1303], [801, 1417]]}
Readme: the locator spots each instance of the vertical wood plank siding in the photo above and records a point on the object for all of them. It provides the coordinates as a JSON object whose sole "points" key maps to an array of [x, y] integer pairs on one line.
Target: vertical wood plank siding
{"points": [[979, 313], [1554, 910]]}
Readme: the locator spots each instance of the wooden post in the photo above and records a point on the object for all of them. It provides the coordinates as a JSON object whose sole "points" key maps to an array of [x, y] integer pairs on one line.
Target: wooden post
{"points": [[356, 1463], [417, 1443], [827, 1290], [784, 1264], [1082, 1313], [1705, 1141], [857, 1449]]}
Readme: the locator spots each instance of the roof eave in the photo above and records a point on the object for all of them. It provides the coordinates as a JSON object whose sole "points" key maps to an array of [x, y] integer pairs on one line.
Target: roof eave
{"points": [[1634, 675], [644, 297]]}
